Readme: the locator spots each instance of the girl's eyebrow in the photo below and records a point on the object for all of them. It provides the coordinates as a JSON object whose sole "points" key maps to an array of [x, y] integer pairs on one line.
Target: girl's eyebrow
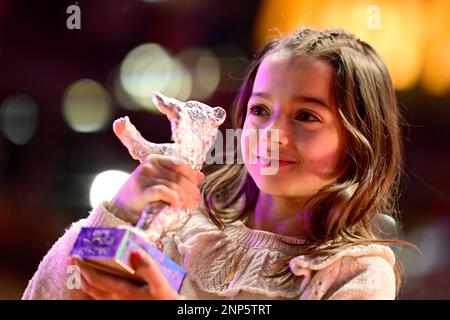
{"points": [[301, 98]]}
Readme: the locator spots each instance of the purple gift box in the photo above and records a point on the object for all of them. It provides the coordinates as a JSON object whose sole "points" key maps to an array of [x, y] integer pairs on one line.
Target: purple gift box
{"points": [[109, 249]]}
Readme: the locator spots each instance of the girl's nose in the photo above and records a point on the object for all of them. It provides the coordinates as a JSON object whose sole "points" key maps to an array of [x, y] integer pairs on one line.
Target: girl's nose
{"points": [[278, 131]]}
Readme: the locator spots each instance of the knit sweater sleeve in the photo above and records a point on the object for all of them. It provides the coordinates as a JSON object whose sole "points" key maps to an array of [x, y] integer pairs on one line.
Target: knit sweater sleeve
{"points": [[369, 278], [360, 273], [51, 280]]}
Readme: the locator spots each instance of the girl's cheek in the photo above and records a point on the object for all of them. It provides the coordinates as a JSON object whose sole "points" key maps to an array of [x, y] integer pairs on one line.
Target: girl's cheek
{"points": [[323, 160], [249, 144]]}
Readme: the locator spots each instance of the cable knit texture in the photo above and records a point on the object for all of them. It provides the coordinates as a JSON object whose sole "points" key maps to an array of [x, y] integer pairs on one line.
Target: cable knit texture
{"points": [[230, 264]]}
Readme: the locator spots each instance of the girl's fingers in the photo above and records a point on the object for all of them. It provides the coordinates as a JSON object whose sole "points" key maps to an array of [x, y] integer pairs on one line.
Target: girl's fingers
{"points": [[149, 270], [161, 192], [94, 292], [104, 282], [187, 198], [103, 286], [186, 188], [181, 168], [188, 184], [200, 177]]}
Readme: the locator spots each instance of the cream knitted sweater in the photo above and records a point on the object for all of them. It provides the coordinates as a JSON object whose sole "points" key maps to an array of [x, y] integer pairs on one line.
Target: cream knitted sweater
{"points": [[206, 252]]}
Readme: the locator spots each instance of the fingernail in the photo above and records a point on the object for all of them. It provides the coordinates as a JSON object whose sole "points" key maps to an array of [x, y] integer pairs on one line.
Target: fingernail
{"points": [[135, 260], [138, 259]]}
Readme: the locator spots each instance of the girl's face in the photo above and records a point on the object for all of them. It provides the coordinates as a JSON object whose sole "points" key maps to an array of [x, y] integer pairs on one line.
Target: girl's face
{"points": [[294, 96]]}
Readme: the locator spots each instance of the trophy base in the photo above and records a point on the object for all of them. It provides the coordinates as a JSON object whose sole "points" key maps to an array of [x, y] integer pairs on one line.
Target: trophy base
{"points": [[108, 249]]}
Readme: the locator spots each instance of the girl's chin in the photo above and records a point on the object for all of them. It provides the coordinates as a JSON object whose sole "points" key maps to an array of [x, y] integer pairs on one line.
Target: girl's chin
{"points": [[282, 189], [274, 189], [273, 171], [273, 184]]}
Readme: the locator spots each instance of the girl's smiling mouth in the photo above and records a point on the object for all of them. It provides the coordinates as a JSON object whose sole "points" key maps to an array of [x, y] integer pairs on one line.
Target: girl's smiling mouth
{"points": [[282, 162]]}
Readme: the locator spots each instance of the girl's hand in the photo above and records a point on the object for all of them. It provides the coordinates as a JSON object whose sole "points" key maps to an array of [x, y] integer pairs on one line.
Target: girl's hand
{"points": [[157, 179], [104, 286]]}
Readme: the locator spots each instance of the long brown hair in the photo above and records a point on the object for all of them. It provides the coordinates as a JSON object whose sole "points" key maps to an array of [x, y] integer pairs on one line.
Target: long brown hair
{"points": [[342, 213]]}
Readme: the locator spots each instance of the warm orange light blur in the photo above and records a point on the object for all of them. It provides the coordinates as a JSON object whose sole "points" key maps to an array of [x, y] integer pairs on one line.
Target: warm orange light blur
{"points": [[412, 36]]}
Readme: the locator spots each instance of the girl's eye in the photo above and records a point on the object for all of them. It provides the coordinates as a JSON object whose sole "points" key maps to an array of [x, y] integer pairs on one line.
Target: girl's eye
{"points": [[258, 111], [306, 116]]}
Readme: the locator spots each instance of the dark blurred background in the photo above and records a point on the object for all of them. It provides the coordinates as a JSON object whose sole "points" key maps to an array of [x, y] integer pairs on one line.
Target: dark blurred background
{"points": [[61, 88]]}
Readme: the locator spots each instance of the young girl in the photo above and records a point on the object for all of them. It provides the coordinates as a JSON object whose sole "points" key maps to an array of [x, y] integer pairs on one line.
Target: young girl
{"points": [[308, 231]]}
